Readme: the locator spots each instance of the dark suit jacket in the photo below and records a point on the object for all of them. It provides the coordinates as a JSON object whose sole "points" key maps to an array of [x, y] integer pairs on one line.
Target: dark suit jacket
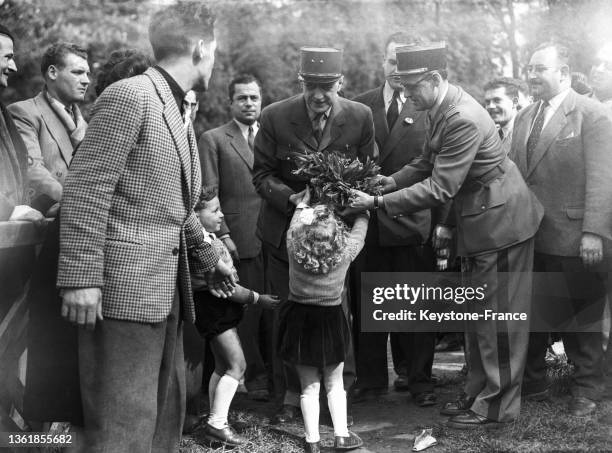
{"points": [[13, 168], [227, 162], [463, 161], [127, 220], [285, 131], [48, 142], [569, 173], [397, 148]]}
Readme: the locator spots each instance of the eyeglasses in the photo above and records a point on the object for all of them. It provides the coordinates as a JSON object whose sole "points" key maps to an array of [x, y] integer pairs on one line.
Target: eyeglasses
{"points": [[414, 86], [539, 68]]}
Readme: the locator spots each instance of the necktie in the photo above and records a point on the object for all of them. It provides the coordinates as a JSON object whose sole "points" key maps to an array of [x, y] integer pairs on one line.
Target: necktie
{"points": [[317, 128], [71, 113], [251, 138], [393, 111], [500, 131], [536, 131]]}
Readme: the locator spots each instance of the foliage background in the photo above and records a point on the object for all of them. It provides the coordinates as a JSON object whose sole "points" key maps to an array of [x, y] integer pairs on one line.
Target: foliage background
{"points": [[486, 38]]}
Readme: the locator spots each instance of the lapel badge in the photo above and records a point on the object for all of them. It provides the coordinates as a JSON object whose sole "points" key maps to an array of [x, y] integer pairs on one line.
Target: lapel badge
{"points": [[408, 120]]}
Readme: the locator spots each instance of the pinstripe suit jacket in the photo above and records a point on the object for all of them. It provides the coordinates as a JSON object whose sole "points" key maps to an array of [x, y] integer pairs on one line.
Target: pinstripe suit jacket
{"points": [[227, 162], [127, 221]]}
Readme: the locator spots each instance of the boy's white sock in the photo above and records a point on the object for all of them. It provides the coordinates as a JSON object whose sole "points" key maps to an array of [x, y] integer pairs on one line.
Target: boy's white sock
{"points": [[212, 386], [309, 402], [336, 402], [224, 393]]}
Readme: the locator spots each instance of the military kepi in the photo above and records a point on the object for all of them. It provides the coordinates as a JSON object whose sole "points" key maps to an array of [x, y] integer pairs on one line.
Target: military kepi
{"points": [[320, 64], [421, 58]]}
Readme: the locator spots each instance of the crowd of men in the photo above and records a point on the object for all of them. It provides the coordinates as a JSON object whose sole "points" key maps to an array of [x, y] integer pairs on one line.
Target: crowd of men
{"points": [[517, 186]]}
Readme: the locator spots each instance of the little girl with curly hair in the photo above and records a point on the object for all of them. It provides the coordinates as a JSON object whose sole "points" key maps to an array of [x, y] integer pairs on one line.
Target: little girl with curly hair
{"points": [[314, 332]]}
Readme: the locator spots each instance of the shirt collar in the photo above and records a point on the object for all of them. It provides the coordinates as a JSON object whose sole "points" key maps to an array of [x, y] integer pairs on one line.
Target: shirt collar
{"points": [[388, 94], [177, 92], [557, 99], [244, 128]]}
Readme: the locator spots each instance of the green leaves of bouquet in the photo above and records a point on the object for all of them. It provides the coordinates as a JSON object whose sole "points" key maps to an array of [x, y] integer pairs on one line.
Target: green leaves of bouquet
{"points": [[332, 176]]}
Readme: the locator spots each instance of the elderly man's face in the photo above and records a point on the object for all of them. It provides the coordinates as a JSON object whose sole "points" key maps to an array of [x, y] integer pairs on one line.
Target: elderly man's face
{"points": [[69, 81], [501, 107], [421, 89], [546, 73], [601, 73], [7, 62], [320, 96]]}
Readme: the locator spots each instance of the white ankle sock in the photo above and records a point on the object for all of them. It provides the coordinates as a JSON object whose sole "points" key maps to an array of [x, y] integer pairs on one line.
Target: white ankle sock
{"points": [[336, 401], [309, 402], [212, 385], [224, 393]]}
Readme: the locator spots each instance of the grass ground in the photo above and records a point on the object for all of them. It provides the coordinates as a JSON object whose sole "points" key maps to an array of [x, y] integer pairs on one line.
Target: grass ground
{"points": [[389, 424]]}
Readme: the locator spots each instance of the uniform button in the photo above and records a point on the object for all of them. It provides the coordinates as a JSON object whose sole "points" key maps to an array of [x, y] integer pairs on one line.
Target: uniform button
{"points": [[59, 174], [483, 207], [175, 251]]}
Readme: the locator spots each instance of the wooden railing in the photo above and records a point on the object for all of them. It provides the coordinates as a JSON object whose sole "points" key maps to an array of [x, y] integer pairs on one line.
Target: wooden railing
{"points": [[18, 248]]}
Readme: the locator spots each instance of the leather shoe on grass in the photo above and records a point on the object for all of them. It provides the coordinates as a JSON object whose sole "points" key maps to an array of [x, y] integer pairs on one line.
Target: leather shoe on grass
{"points": [[460, 406], [471, 420], [401, 383], [425, 399], [286, 414], [312, 447], [359, 395], [350, 442], [580, 406], [226, 436]]}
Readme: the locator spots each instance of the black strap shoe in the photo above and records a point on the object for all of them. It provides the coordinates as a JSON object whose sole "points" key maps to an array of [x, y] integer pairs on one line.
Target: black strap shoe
{"points": [[225, 435], [350, 442], [312, 447]]}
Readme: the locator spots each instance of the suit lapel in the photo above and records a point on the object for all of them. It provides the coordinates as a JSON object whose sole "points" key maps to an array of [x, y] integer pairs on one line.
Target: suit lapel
{"points": [[520, 135], [551, 132], [301, 124], [172, 117], [55, 127], [333, 127], [240, 145], [400, 128], [381, 129]]}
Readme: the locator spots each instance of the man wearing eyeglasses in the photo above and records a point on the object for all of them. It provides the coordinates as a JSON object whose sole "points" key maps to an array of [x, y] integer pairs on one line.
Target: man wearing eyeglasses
{"points": [[496, 218], [317, 119], [562, 145]]}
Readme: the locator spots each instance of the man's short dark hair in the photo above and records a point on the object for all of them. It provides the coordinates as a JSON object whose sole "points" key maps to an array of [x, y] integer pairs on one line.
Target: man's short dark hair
{"points": [[121, 64], [402, 37], [6, 32], [175, 30], [563, 52], [511, 85], [206, 194], [242, 79], [55, 55]]}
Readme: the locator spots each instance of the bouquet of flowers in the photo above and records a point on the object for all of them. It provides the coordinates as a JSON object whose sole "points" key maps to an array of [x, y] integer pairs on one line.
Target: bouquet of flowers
{"points": [[332, 176]]}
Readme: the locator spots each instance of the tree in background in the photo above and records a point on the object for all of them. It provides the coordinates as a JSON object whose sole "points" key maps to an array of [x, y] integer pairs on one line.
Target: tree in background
{"points": [[264, 37]]}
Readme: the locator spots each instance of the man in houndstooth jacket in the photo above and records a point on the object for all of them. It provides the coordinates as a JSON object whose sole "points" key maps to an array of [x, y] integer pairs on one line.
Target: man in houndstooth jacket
{"points": [[129, 238]]}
